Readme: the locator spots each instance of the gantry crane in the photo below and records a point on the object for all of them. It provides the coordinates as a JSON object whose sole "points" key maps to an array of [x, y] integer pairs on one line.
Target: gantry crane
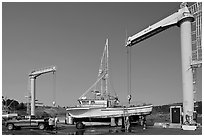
{"points": [[182, 19], [33, 75]]}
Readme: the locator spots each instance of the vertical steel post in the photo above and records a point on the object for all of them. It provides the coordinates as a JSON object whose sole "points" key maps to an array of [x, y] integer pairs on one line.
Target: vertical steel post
{"points": [[32, 79], [186, 57]]}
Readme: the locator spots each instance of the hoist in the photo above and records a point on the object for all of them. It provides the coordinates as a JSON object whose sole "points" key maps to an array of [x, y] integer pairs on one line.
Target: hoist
{"points": [[182, 18], [33, 75]]}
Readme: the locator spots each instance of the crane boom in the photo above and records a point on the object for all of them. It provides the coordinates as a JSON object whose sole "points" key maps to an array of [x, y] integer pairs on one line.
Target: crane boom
{"points": [[172, 20], [36, 73]]}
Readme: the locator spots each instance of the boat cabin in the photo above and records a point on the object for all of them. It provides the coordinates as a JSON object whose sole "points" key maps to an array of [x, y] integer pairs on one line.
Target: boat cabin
{"points": [[98, 102], [93, 103]]}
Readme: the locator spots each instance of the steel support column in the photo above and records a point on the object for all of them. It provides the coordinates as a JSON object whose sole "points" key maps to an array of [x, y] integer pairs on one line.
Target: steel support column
{"points": [[187, 76], [32, 79]]}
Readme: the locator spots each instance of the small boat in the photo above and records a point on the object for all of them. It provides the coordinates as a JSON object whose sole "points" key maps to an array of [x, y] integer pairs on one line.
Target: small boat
{"points": [[103, 106]]}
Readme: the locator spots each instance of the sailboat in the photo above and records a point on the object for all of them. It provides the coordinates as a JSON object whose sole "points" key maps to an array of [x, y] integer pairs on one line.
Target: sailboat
{"points": [[103, 106]]}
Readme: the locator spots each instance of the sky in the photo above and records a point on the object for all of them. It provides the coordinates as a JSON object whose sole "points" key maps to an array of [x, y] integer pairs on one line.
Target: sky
{"points": [[71, 36]]}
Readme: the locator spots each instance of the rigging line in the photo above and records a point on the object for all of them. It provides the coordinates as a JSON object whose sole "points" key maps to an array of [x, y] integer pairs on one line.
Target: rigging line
{"points": [[104, 69], [92, 86], [109, 80], [101, 67]]}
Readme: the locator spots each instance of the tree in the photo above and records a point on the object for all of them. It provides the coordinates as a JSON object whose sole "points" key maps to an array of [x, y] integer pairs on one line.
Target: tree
{"points": [[3, 101], [21, 106], [12, 104]]}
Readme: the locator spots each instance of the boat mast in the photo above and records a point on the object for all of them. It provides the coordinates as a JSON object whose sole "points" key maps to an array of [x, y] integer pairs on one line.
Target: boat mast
{"points": [[104, 67], [107, 92], [101, 71], [102, 76]]}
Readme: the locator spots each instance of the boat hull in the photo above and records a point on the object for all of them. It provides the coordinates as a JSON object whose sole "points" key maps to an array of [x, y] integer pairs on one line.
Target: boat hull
{"points": [[81, 112]]}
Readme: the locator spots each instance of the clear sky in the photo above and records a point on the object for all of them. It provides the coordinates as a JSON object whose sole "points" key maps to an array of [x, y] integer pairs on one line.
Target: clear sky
{"points": [[71, 36]]}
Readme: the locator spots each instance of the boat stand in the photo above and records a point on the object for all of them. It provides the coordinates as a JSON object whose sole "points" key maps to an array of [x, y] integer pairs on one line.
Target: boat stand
{"points": [[143, 122], [125, 124]]}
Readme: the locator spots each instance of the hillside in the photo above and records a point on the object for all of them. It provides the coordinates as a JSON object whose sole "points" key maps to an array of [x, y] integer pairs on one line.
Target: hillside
{"points": [[162, 113], [166, 108]]}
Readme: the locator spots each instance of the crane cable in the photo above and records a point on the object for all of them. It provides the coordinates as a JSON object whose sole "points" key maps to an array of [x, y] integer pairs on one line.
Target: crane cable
{"points": [[129, 73], [128, 70], [54, 88]]}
